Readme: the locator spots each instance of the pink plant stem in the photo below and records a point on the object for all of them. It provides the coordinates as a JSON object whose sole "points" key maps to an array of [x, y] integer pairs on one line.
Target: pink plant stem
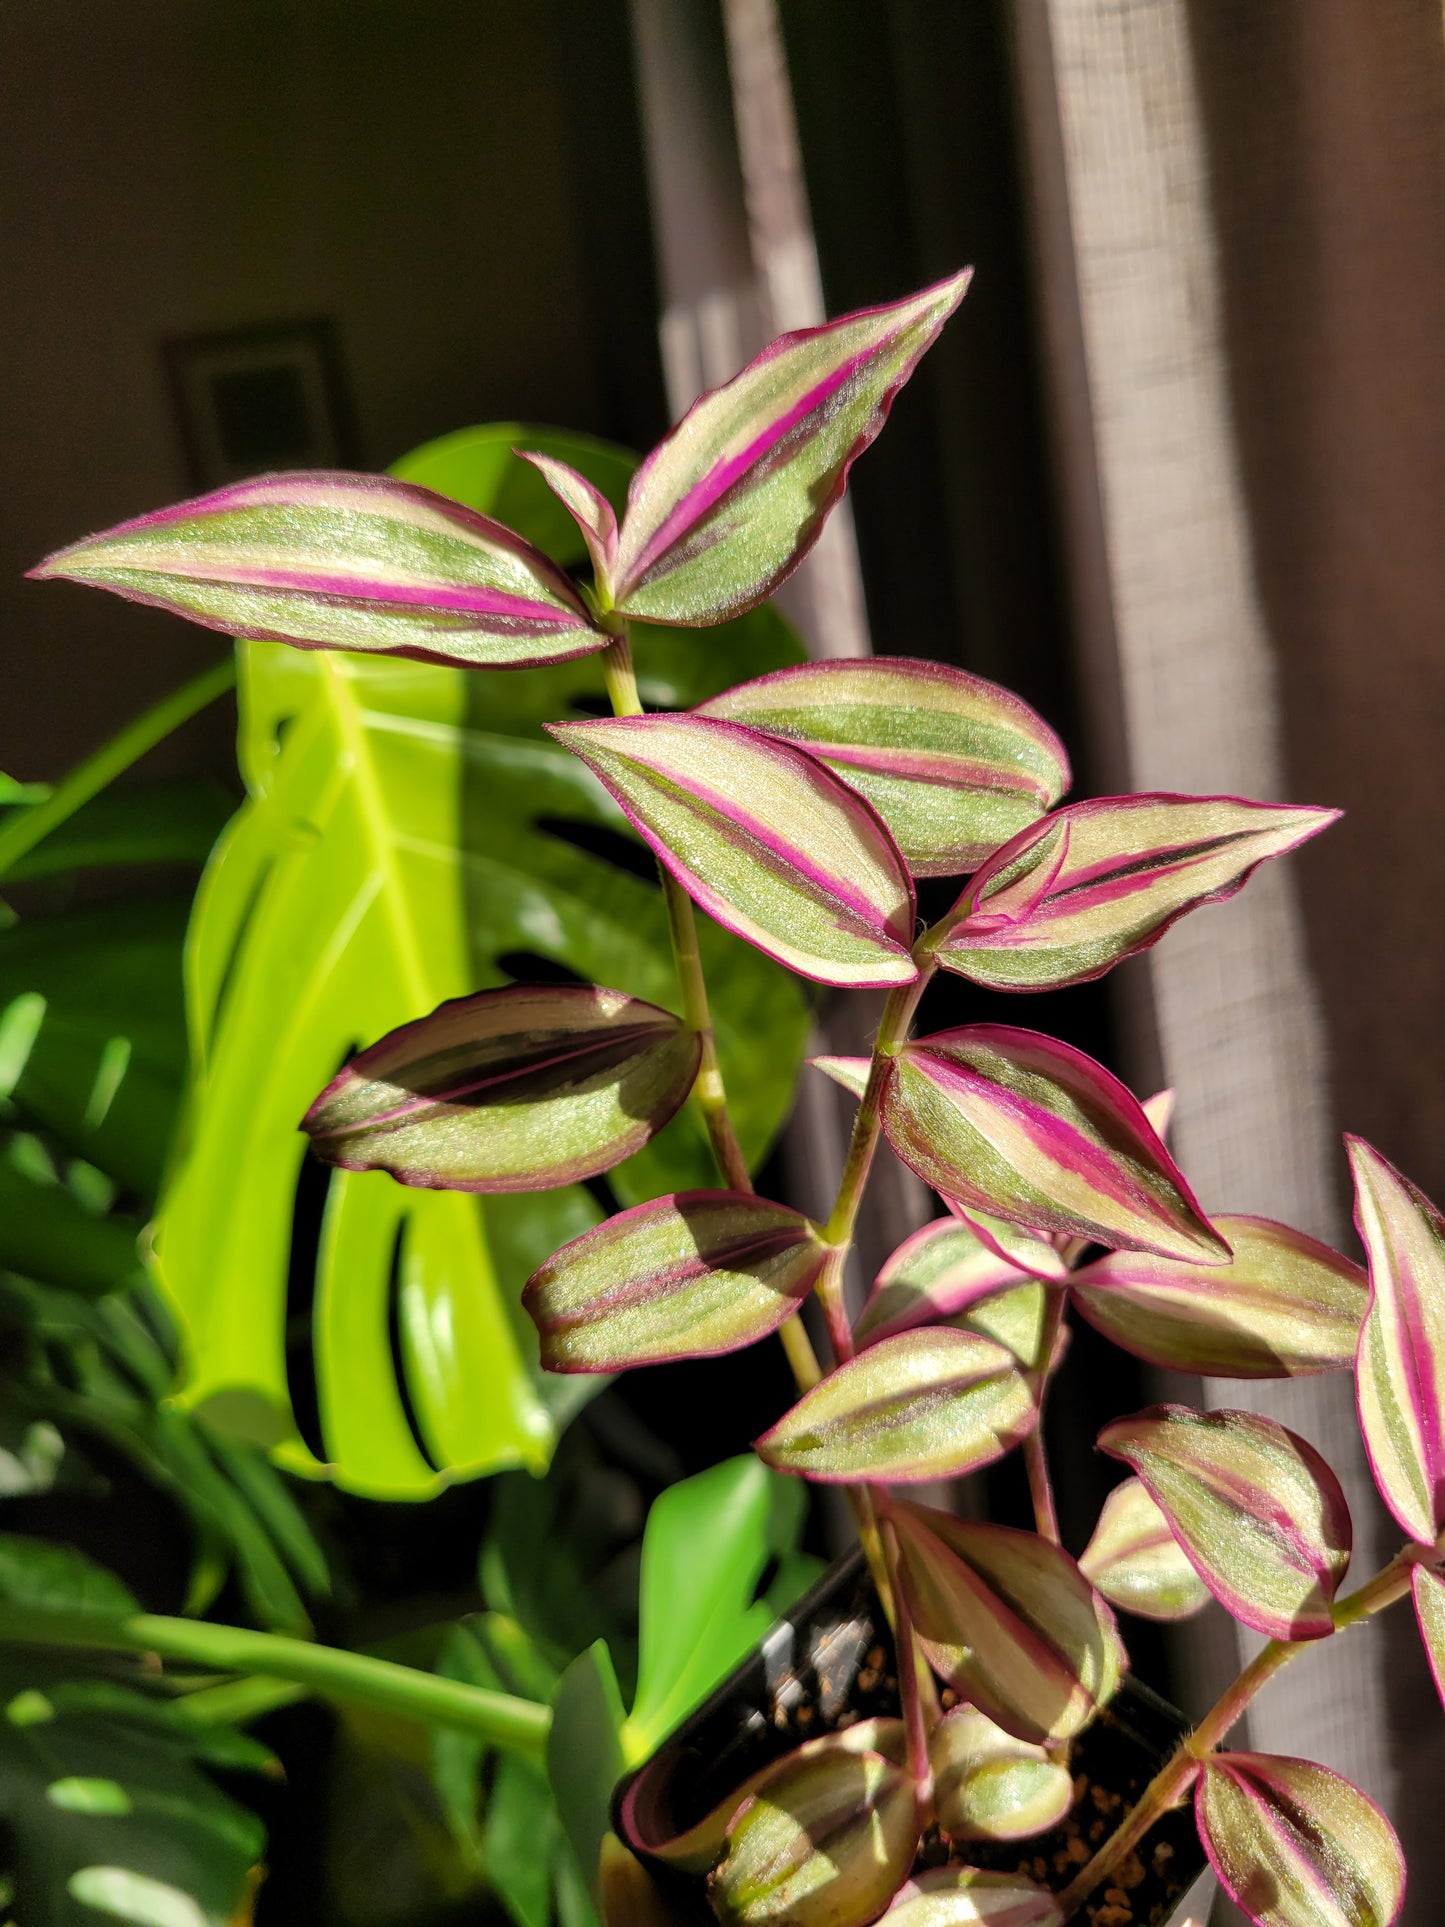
{"points": [[1036, 1455], [1178, 1773], [911, 1672]]}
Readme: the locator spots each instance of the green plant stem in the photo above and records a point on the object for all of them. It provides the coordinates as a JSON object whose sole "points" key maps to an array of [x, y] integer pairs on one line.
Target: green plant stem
{"points": [[30, 826], [516, 1725], [709, 1090], [1178, 1773], [237, 1702], [892, 1031]]}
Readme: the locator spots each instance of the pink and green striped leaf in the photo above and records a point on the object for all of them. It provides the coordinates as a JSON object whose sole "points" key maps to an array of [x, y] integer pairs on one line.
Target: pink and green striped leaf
{"points": [[943, 1269], [767, 841], [518, 1089], [1429, 1591], [1400, 1368], [989, 1785], [1296, 1845], [1136, 1562], [928, 1404], [588, 507], [826, 1842], [1072, 895], [688, 1276], [1009, 1622], [339, 561], [1258, 1512], [971, 1897], [954, 765], [723, 509], [1021, 1127], [1285, 1305], [1035, 1253], [849, 1073]]}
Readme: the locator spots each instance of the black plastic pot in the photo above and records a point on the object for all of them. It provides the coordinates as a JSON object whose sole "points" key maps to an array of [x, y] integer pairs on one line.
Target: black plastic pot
{"points": [[832, 1659]]}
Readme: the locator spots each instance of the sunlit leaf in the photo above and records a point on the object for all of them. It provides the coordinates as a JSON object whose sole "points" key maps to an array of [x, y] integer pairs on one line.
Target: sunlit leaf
{"points": [[926, 1405], [989, 1785], [1400, 1370], [339, 561], [588, 507], [727, 505], [1258, 1511], [1295, 1845], [825, 1843], [1429, 1591], [1010, 1622], [1071, 896], [954, 765], [412, 836], [1019, 1126], [969, 1897], [1134, 1559], [771, 844], [686, 1276], [940, 1270], [849, 1073], [1284, 1305], [519, 1089]]}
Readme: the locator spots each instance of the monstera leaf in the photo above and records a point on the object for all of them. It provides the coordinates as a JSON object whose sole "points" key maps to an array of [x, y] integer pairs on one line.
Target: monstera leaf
{"points": [[410, 836]]}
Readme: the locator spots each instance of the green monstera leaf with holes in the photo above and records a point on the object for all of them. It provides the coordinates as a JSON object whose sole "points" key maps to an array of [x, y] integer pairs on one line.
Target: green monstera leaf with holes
{"points": [[411, 835]]}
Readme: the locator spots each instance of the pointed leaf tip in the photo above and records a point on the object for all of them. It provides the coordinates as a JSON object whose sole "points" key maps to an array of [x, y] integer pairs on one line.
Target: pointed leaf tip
{"points": [[1018, 1126], [767, 841], [1296, 1845], [588, 507], [1400, 1367], [689, 1276], [519, 1089], [1098, 881], [329, 560], [1258, 1512], [954, 765], [728, 504], [1428, 1588]]}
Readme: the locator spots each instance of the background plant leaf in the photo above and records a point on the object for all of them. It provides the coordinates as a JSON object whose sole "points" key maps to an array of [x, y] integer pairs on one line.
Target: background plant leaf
{"points": [[410, 835]]}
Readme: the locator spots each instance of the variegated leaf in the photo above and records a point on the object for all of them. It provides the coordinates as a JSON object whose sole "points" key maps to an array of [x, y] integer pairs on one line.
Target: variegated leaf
{"points": [[1010, 1622], [519, 1089], [849, 1073], [1021, 1127], [1296, 1845], [970, 1897], [1284, 1305], [1136, 1562], [1259, 1513], [1096, 882], [688, 1276], [990, 1786], [723, 509], [1429, 1589], [770, 843], [954, 765], [943, 1269], [1400, 1369], [1034, 1252], [825, 1843], [588, 507], [926, 1405], [338, 561]]}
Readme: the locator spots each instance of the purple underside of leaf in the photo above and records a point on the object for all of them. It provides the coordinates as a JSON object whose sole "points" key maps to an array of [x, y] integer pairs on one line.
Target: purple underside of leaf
{"points": [[1400, 1366]]}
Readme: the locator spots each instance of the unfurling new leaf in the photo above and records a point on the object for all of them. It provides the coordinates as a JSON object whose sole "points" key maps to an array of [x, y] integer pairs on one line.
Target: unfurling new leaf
{"points": [[769, 842], [518, 1089], [1010, 1622], [1014, 1124], [1400, 1370], [683, 1277], [926, 1405], [338, 561], [954, 765], [723, 509], [1283, 1306], [1259, 1513], [1296, 1845], [1137, 1563], [1071, 896]]}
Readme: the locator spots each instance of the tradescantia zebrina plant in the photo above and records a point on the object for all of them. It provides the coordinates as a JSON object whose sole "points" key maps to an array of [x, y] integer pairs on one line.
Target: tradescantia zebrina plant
{"points": [[797, 810]]}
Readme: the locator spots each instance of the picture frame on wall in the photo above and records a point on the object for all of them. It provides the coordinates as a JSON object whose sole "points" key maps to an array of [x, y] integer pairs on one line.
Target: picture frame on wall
{"points": [[252, 400]]}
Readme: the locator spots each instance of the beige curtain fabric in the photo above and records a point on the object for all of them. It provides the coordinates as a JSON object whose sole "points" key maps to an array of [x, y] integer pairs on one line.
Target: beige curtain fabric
{"points": [[1239, 236]]}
